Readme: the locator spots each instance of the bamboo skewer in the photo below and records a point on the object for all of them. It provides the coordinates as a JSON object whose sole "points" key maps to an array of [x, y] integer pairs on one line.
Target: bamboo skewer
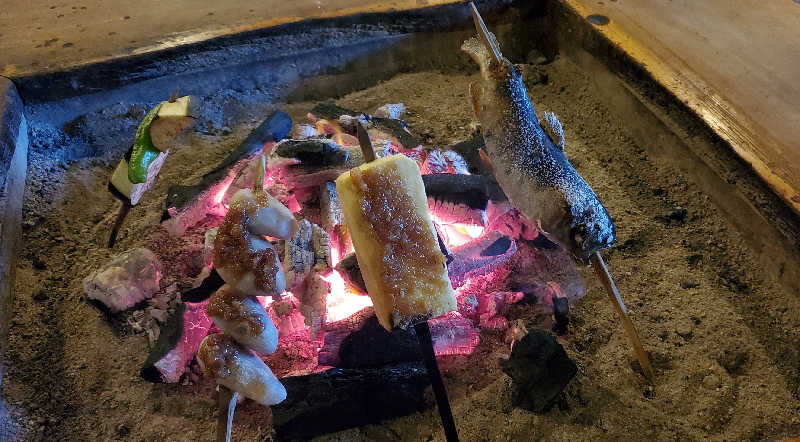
{"points": [[226, 400], [616, 300], [422, 330]]}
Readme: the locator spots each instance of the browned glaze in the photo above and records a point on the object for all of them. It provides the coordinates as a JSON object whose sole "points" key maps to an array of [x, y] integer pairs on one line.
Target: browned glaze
{"points": [[410, 251], [229, 306], [218, 354], [231, 248]]}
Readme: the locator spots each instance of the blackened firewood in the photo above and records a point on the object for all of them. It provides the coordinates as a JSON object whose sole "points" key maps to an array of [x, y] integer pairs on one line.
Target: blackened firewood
{"points": [[560, 315], [373, 346], [351, 272], [469, 190], [338, 399], [332, 111], [211, 284], [397, 129], [313, 152]]}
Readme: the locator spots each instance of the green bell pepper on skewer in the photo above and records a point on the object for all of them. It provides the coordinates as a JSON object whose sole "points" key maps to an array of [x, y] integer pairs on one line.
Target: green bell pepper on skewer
{"points": [[144, 152]]}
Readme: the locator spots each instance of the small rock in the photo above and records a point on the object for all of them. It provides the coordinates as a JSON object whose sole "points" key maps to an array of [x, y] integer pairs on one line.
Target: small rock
{"points": [[711, 381], [37, 262], [129, 278], [678, 214], [684, 328], [689, 284], [540, 369], [41, 295], [733, 361], [533, 75]]}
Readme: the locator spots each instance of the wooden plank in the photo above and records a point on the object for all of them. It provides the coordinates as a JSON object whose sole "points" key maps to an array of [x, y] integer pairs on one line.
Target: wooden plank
{"points": [[736, 64], [41, 36]]}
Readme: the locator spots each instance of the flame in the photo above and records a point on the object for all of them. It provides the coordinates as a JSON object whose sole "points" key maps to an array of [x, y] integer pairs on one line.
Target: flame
{"points": [[457, 234], [328, 127], [342, 302], [223, 189]]}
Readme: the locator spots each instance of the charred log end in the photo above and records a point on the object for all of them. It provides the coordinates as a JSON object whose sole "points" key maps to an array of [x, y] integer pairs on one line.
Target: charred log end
{"points": [[338, 399], [540, 369], [560, 315]]}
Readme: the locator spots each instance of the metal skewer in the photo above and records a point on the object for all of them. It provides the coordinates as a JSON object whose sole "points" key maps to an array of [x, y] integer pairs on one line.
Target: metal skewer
{"points": [[483, 33], [422, 330], [616, 300]]}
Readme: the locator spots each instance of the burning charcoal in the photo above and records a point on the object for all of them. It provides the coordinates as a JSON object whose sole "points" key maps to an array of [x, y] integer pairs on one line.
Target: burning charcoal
{"points": [[490, 309], [398, 130], [311, 295], [454, 198], [504, 218], [448, 161], [312, 152], [331, 111], [303, 131], [289, 320], [480, 256], [394, 111], [338, 399], [178, 343], [186, 205], [208, 245], [308, 249], [540, 369], [129, 278], [348, 268], [453, 334], [360, 341]]}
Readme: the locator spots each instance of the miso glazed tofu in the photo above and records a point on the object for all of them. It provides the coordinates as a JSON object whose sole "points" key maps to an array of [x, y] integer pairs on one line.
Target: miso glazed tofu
{"points": [[386, 212]]}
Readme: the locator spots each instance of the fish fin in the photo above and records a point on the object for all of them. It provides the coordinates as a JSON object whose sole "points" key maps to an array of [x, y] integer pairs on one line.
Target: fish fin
{"points": [[552, 127], [475, 95], [486, 160]]}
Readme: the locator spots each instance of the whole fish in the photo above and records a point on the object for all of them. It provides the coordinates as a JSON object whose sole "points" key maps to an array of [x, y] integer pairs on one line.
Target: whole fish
{"points": [[530, 167]]}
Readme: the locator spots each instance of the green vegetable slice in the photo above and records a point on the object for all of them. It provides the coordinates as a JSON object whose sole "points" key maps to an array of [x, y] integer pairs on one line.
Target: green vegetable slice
{"points": [[144, 152]]}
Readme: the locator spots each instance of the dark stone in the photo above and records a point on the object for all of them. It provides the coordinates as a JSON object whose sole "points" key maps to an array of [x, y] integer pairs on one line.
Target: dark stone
{"points": [[11, 113], [41, 295], [540, 369], [373, 346], [689, 284], [338, 399]]}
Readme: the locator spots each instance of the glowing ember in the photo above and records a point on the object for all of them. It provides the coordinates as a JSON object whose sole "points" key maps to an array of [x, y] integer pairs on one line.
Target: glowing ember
{"points": [[223, 189], [342, 302]]}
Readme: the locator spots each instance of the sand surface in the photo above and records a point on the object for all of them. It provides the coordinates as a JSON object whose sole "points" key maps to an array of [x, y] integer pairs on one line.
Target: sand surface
{"points": [[724, 342]]}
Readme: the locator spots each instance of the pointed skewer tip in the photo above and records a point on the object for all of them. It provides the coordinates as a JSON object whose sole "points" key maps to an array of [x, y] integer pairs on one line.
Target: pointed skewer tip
{"points": [[483, 33]]}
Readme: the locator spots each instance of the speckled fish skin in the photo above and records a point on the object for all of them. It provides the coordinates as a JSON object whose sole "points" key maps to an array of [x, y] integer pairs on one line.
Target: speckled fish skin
{"points": [[534, 173]]}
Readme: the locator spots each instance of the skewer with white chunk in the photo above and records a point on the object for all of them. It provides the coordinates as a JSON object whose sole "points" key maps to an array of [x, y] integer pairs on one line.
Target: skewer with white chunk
{"points": [[249, 264]]}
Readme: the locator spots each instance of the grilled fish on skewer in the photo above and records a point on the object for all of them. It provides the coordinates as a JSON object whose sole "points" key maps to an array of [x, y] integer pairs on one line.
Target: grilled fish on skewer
{"points": [[531, 169]]}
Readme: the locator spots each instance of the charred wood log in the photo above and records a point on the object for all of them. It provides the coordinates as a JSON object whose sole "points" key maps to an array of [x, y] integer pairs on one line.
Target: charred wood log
{"points": [[351, 272], [480, 257], [308, 249], [313, 153], [177, 344], [338, 399], [468, 190], [185, 205]]}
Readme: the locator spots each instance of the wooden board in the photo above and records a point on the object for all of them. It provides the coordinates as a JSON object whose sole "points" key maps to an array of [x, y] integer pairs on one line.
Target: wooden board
{"points": [[38, 36], [736, 64]]}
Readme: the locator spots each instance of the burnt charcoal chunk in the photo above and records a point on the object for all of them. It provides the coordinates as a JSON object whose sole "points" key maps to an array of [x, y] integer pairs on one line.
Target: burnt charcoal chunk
{"points": [[348, 266], [338, 399], [398, 130], [373, 346], [498, 247], [332, 111], [470, 190], [211, 284], [540, 369], [313, 152]]}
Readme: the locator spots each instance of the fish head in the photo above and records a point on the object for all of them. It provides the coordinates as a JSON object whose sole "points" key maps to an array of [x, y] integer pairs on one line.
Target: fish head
{"points": [[591, 229]]}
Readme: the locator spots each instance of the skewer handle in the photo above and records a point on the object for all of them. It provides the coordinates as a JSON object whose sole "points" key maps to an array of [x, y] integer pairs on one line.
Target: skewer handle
{"points": [[227, 405], [616, 300], [442, 402]]}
